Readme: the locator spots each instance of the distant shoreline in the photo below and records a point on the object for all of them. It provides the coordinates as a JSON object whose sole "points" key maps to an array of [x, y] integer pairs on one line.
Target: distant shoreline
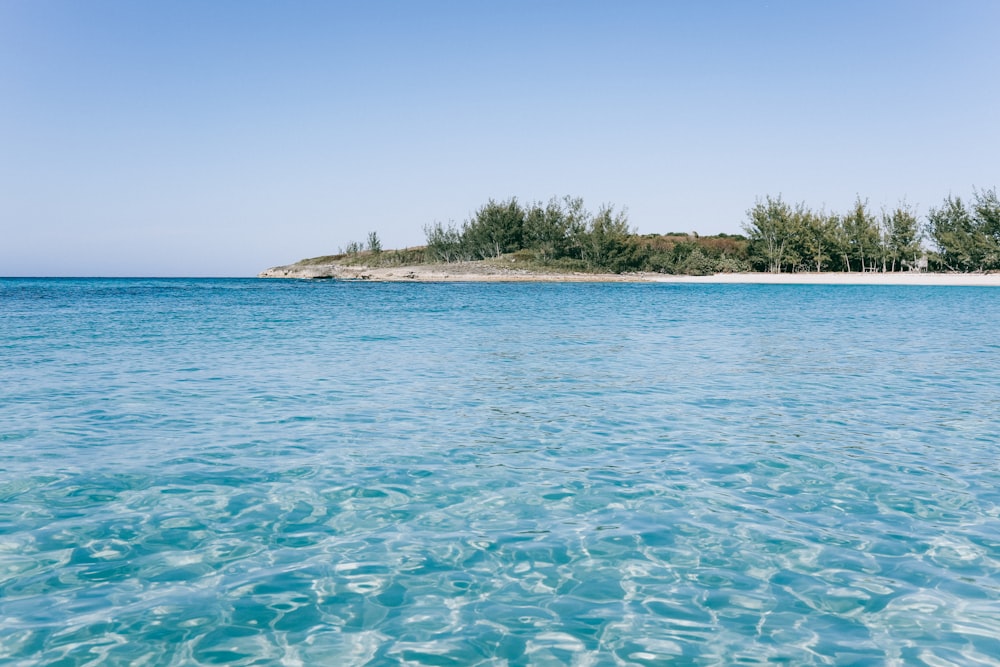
{"points": [[480, 272]]}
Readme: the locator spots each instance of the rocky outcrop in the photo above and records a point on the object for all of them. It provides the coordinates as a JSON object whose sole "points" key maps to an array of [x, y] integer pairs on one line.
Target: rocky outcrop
{"points": [[312, 271]]}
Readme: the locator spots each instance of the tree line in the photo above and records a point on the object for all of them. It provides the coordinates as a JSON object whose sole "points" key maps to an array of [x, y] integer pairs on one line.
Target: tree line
{"points": [[563, 234], [965, 236]]}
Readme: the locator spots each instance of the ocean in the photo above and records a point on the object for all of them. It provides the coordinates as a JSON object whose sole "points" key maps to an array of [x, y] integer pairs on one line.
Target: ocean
{"points": [[254, 472]]}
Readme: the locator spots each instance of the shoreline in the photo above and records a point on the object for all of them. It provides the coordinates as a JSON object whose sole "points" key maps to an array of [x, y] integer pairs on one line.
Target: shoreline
{"points": [[901, 278], [478, 272]]}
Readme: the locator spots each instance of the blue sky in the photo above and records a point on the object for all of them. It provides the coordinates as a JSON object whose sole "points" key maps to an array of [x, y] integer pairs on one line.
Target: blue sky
{"points": [[220, 138]]}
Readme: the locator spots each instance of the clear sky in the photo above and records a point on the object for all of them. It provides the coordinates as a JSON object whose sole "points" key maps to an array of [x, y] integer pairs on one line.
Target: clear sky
{"points": [[220, 138]]}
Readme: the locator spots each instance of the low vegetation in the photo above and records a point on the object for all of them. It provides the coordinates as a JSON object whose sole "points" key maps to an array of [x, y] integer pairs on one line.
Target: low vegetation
{"points": [[563, 235]]}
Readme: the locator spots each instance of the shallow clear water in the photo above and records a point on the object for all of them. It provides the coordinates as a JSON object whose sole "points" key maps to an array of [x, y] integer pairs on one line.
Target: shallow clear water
{"points": [[259, 472]]}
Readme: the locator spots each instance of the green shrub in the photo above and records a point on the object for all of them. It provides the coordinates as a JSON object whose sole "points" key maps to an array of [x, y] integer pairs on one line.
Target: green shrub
{"points": [[570, 264], [730, 265]]}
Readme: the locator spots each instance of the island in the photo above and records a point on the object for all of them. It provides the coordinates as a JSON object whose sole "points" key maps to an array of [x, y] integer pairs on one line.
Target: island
{"points": [[562, 241]]}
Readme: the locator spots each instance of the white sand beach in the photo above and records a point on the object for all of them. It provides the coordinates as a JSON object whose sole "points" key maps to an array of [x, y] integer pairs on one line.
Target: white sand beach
{"points": [[899, 278]]}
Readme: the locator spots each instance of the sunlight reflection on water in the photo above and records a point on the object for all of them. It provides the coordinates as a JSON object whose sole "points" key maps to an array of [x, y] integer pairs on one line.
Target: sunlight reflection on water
{"points": [[248, 472]]}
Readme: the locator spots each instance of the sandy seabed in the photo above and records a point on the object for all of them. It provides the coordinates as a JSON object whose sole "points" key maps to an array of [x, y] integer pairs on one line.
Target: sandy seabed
{"points": [[476, 272]]}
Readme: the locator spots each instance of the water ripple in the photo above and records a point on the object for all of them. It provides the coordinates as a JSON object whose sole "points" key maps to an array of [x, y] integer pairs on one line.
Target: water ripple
{"points": [[250, 472]]}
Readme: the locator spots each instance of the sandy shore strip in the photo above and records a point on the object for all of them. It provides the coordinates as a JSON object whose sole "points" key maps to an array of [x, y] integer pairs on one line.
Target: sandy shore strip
{"points": [[478, 272], [907, 278]]}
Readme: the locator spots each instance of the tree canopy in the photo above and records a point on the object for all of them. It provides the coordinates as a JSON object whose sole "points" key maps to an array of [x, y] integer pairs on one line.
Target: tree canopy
{"points": [[780, 237], [564, 234]]}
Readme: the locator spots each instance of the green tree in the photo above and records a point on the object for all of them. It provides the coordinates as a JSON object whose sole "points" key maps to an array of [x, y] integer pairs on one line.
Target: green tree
{"points": [[577, 224], [861, 235], [351, 249], [444, 243], [901, 232], [605, 241], [817, 238], [770, 227], [967, 237], [495, 229], [953, 230], [374, 243], [986, 214], [547, 230]]}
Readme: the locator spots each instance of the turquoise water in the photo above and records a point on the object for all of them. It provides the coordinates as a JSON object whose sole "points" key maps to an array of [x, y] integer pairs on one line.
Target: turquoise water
{"points": [[324, 473]]}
